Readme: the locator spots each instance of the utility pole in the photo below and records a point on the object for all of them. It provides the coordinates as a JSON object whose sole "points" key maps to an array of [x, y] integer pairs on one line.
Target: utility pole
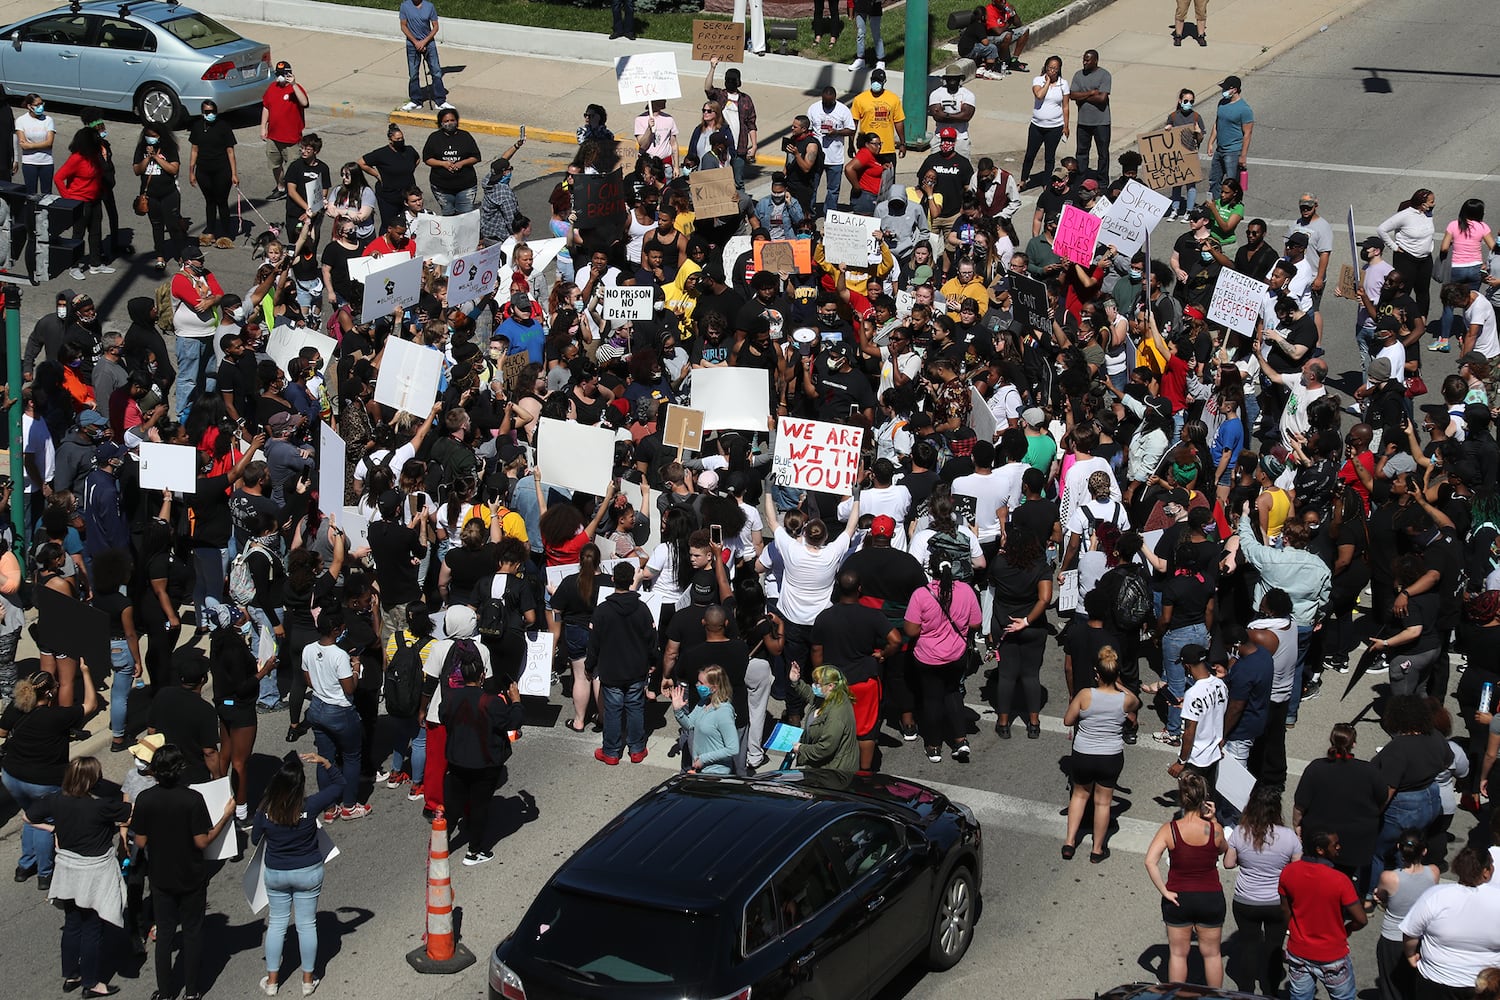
{"points": [[914, 85]]}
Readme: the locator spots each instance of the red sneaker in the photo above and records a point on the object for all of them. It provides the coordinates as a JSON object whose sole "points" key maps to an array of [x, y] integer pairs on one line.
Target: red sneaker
{"points": [[600, 755], [636, 758]]}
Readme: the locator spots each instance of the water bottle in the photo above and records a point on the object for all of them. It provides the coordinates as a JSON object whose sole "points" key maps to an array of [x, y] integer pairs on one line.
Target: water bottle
{"points": [[1485, 693]]}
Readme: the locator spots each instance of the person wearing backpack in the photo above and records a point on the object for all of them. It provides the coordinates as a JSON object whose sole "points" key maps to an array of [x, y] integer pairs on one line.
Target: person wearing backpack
{"points": [[1125, 595], [441, 669], [257, 579], [406, 654], [507, 609], [479, 725]]}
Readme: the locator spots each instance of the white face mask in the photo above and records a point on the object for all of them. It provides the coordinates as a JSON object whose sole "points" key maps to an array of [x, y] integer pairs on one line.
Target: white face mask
{"points": [[1228, 94], [62, 312]]}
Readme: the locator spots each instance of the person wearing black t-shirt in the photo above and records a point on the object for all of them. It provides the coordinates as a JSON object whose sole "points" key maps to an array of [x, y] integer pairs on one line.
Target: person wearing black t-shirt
{"points": [[189, 722], [857, 639], [212, 169], [298, 180], [394, 168], [339, 289], [451, 152], [397, 548], [887, 579]]}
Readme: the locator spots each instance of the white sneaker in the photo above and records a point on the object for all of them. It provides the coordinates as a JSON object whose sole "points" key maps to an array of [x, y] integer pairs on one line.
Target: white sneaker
{"points": [[857, 65], [477, 858], [102, 269], [411, 106], [445, 106], [78, 273], [880, 64]]}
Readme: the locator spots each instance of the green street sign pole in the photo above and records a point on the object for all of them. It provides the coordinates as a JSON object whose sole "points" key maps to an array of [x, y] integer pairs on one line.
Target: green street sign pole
{"points": [[13, 415], [914, 87]]}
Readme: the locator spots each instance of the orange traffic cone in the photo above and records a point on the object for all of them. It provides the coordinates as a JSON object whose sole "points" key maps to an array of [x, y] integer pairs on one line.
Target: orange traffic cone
{"points": [[440, 952]]}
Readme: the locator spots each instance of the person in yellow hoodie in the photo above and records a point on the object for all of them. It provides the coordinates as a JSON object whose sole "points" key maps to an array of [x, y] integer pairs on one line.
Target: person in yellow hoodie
{"points": [[681, 294], [857, 280]]}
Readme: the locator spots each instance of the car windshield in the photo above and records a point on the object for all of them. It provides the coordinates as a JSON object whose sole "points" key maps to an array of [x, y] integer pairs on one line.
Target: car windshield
{"points": [[644, 946], [200, 32]]}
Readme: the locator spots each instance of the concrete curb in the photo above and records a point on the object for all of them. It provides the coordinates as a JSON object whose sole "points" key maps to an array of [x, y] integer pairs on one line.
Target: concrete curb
{"points": [[1055, 23]]}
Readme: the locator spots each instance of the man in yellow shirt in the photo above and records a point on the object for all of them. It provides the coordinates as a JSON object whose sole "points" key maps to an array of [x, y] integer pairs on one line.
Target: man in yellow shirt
{"points": [[879, 111]]}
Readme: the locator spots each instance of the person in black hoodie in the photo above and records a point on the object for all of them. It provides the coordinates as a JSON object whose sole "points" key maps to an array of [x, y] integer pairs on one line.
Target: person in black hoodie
{"points": [[479, 726], [624, 626], [143, 339]]}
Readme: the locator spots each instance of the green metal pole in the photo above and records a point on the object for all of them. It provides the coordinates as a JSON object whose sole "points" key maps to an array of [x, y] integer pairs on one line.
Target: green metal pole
{"points": [[13, 415], [914, 85]]}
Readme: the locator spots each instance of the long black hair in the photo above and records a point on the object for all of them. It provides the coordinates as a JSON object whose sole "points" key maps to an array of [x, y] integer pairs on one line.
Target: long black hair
{"points": [[942, 571]]}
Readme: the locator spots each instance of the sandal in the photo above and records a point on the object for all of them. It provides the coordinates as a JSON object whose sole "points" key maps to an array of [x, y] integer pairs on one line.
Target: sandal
{"points": [[72, 983], [573, 728], [1068, 850], [1203, 40], [1097, 856], [1153, 688]]}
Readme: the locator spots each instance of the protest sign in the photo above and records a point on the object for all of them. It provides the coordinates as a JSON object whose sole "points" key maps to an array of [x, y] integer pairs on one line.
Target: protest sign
{"points": [[575, 456], [409, 376], [1134, 214], [355, 526], [1030, 298], [332, 456], [724, 39], [784, 256], [169, 467], [714, 194], [512, 367], [1348, 286], [733, 248], [684, 430], [398, 282], [360, 267], [472, 276], [846, 238], [536, 675], [1354, 256], [599, 200], [733, 398], [816, 455], [1077, 235], [443, 237], [217, 795], [1237, 301], [286, 342], [1169, 157], [647, 76], [314, 196], [557, 574], [625, 303]]}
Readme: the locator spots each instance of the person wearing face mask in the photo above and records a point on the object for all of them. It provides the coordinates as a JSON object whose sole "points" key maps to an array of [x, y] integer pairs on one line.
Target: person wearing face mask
{"points": [[1409, 234], [713, 739], [827, 741], [832, 123], [35, 132], [353, 204], [94, 118], [47, 335], [777, 214], [308, 188], [81, 178], [1229, 142], [1367, 292], [951, 168], [212, 169], [499, 206], [283, 116], [879, 110], [195, 299], [156, 163], [451, 152], [1184, 196], [394, 168]]}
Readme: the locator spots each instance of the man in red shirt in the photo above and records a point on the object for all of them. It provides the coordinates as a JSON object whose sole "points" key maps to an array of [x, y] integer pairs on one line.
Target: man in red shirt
{"points": [[1321, 909], [1358, 471], [1004, 25], [394, 241], [283, 116]]}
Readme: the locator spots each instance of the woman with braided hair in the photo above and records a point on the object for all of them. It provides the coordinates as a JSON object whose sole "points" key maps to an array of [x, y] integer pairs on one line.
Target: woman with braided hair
{"points": [[940, 618]]}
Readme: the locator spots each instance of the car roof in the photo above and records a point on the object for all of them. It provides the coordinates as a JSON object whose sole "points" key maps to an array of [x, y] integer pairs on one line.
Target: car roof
{"points": [[729, 833], [154, 11]]}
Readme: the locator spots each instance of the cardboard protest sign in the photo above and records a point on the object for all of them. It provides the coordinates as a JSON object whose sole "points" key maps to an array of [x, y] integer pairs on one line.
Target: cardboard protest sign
{"points": [[714, 194], [684, 430], [784, 256], [1134, 214], [575, 456], [398, 282], [817, 455], [1237, 301], [1348, 281], [1169, 157], [846, 238], [409, 376], [599, 200], [1030, 298], [647, 76], [443, 237], [512, 367], [332, 457], [169, 467], [733, 398], [626, 303], [472, 276], [1077, 235], [725, 39]]}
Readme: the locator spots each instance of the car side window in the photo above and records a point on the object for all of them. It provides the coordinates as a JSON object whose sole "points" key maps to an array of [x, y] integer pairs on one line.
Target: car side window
{"points": [[60, 29], [860, 844], [804, 886], [115, 33], [762, 922]]}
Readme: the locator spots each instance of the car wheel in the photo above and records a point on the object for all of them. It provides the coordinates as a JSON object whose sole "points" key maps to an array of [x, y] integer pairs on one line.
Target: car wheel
{"points": [[157, 104], [953, 921]]}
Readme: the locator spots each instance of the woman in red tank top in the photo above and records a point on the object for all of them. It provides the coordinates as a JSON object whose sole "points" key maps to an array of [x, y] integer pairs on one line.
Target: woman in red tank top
{"points": [[1192, 897]]}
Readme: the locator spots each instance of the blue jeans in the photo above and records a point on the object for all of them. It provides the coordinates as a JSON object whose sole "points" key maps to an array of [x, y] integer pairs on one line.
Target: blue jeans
{"points": [[405, 751], [36, 846], [863, 203], [1171, 668], [1304, 642], [194, 354], [1417, 808], [1226, 163], [210, 565], [456, 202], [833, 178], [623, 12], [119, 688], [1184, 197], [285, 890], [269, 694], [338, 735], [414, 61], [38, 177], [876, 40], [1467, 275], [631, 701], [1303, 976], [985, 53]]}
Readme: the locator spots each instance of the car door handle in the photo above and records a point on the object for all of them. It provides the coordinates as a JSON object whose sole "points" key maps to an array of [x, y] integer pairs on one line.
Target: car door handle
{"points": [[133, 61], [68, 55], [802, 960], [875, 903]]}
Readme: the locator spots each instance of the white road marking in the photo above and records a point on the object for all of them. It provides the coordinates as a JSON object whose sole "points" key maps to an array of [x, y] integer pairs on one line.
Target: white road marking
{"points": [[1390, 172]]}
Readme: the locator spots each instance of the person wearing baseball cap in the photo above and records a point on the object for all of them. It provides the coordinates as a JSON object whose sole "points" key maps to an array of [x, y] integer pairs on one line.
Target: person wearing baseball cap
{"points": [[1229, 138], [1201, 715], [952, 171], [283, 117], [952, 106], [879, 110]]}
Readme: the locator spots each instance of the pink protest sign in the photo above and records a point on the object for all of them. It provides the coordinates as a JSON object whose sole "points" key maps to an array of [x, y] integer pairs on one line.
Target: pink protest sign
{"points": [[1077, 235]]}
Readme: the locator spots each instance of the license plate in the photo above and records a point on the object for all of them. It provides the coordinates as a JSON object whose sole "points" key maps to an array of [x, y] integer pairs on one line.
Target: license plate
{"points": [[249, 74]]}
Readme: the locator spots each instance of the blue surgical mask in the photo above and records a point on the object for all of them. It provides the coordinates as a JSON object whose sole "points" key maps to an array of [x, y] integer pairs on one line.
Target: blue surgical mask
{"points": [[876, 87], [1135, 273], [40, 110], [817, 690], [152, 140], [704, 691], [104, 133], [1186, 105], [1228, 94], [1206, 255], [210, 116]]}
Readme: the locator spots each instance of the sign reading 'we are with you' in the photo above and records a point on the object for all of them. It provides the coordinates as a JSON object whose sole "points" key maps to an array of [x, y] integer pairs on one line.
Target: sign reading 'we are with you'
{"points": [[817, 455]]}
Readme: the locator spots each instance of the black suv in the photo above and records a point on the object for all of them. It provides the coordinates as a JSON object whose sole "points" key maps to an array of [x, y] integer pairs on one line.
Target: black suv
{"points": [[797, 884]]}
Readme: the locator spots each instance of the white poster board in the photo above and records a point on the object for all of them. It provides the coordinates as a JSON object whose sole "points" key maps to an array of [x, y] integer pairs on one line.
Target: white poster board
{"points": [[557, 574], [216, 795], [360, 267], [733, 247], [286, 342], [408, 378], [1236, 302], [816, 455], [314, 196], [536, 676], [356, 529], [623, 303], [472, 276], [397, 282], [443, 237], [647, 76], [1234, 781], [169, 467], [575, 456], [1134, 214], [846, 238], [332, 456], [733, 398]]}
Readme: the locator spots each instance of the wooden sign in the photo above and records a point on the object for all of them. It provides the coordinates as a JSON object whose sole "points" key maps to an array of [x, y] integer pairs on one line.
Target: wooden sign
{"points": [[725, 39], [1348, 282], [714, 194], [599, 200], [684, 430], [784, 257], [1169, 157], [512, 367]]}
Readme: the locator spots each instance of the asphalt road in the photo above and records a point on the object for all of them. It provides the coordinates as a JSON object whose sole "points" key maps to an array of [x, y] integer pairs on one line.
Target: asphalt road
{"points": [[1361, 114]]}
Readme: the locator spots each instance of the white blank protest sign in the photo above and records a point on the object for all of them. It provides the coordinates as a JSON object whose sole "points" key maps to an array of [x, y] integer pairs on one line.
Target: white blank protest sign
{"points": [[332, 456], [169, 467], [1236, 302], [733, 398], [576, 456], [846, 238], [397, 282], [625, 303], [286, 342], [647, 76], [356, 528], [409, 375], [1134, 214]]}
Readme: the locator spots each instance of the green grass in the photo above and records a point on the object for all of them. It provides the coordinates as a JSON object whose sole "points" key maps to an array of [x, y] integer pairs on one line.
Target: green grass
{"points": [[679, 27]]}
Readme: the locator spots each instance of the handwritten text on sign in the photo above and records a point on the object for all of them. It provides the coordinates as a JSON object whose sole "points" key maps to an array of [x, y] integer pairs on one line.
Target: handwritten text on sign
{"points": [[815, 455], [599, 200], [1170, 157], [646, 76], [623, 303], [725, 39], [1077, 234], [1134, 214], [1236, 302]]}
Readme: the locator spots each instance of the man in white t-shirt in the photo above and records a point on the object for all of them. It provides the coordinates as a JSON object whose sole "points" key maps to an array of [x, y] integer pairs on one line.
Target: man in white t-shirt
{"points": [[1479, 320], [994, 495], [832, 123], [1302, 389], [883, 498], [952, 106], [1203, 708]]}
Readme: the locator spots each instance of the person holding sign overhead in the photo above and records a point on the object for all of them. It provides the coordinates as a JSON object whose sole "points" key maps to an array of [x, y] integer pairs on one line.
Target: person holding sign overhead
{"points": [[739, 115]]}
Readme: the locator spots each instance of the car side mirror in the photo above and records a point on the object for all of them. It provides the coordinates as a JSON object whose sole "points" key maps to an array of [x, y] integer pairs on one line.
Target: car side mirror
{"points": [[15, 40]]}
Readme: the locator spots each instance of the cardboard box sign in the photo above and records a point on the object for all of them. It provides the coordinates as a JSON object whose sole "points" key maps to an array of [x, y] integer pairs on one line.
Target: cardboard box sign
{"points": [[599, 200], [684, 430], [1169, 157], [725, 39], [784, 257], [714, 194]]}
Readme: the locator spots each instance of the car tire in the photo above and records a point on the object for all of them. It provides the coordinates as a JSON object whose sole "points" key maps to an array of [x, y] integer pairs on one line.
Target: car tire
{"points": [[953, 920], [157, 104]]}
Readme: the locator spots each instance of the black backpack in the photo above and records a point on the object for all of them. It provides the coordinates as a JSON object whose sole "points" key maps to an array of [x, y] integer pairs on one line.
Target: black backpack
{"points": [[403, 679], [954, 548], [498, 616], [1133, 605]]}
